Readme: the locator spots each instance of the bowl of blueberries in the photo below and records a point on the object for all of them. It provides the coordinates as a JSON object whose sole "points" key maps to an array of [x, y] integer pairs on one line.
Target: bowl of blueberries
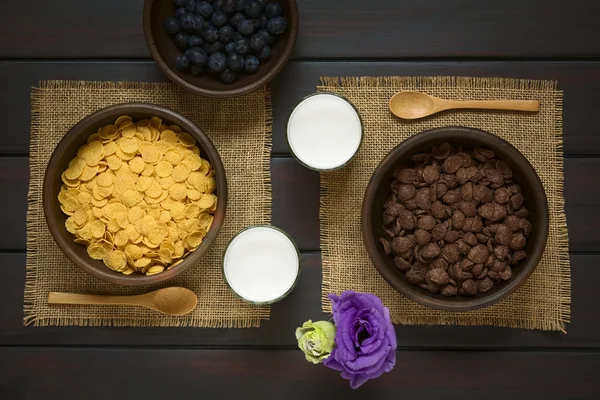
{"points": [[221, 48]]}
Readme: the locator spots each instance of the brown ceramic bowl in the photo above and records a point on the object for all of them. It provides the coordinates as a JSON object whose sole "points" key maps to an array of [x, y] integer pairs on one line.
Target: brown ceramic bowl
{"points": [[67, 149], [378, 191], [163, 50]]}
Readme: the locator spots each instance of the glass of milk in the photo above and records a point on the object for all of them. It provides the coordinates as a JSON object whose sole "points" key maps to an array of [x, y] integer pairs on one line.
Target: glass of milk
{"points": [[261, 264], [324, 131]]}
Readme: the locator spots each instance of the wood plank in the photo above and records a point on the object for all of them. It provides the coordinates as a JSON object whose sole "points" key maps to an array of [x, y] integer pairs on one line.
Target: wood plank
{"points": [[296, 202], [332, 29], [304, 303], [221, 374], [579, 80]]}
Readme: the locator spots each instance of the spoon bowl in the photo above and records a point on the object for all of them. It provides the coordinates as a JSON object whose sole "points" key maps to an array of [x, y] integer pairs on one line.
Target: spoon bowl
{"points": [[171, 300], [412, 105]]}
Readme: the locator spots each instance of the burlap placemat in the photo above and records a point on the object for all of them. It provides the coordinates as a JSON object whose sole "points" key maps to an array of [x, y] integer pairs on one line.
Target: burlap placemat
{"points": [[240, 129], [543, 302]]}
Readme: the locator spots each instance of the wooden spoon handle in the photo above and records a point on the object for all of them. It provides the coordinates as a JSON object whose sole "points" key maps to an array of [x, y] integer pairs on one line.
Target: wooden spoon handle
{"points": [[75, 298], [514, 105]]}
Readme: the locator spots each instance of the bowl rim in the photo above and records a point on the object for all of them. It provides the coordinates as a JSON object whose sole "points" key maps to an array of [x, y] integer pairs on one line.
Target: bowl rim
{"points": [[421, 296], [79, 129], [285, 56]]}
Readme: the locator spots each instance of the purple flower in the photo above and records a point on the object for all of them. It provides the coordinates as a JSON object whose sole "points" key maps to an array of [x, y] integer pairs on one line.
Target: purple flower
{"points": [[365, 341]]}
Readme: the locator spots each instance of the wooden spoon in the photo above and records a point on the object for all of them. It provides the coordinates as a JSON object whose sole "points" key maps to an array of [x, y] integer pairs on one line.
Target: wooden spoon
{"points": [[413, 105], [171, 300]]}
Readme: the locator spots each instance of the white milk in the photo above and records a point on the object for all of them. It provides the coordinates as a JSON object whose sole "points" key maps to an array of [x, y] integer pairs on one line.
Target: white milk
{"points": [[324, 131], [261, 264]]}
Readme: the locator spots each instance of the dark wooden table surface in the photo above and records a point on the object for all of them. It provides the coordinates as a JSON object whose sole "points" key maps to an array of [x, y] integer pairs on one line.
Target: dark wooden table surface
{"points": [[103, 40]]}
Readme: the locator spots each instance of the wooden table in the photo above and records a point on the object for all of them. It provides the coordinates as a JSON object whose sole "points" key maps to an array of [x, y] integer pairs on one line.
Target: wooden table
{"points": [[103, 40]]}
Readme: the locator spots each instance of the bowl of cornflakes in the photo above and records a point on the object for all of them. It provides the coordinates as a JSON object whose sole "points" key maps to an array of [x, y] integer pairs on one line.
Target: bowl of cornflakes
{"points": [[135, 194]]}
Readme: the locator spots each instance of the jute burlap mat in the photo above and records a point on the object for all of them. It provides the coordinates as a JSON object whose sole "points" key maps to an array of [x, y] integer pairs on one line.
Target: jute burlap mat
{"points": [[240, 129], [543, 302]]}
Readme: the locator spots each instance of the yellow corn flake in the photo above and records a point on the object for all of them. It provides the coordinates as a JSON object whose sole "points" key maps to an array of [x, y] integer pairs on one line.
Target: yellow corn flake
{"points": [[163, 169], [85, 232], [123, 118], [180, 173], [129, 132], [204, 167], [142, 263], [109, 149], [133, 251], [186, 139], [124, 156], [176, 263], [114, 162], [204, 221], [96, 251], [197, 180], [193, 194], [131, 197], [178, 192], [113, 226], [70, 204], [111, 210], [98, 229], [122, 219], [137, 165], [154, 190], [88, 173], [169, 136], [70, 182], [165, 216], [121, 238], [71, 225], [147, 225], [207, 201], [156, 269], [195, 238], [150, 154], [105, 179], [158, 235], [135, 213], [148, 171], [109, 131], [165, 255], [177, 211], [75, 169], [115, 260], [132, 233], [173, 156], [143, 123], [192, 211]]}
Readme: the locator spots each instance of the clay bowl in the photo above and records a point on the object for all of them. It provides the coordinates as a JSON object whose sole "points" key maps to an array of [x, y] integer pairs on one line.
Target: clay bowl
{"points": [[163, 50], [378, 191], [66, 151]]}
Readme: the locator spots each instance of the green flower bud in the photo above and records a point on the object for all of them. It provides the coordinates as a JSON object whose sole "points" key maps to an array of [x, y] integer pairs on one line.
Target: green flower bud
{"points": [[316, 340]]}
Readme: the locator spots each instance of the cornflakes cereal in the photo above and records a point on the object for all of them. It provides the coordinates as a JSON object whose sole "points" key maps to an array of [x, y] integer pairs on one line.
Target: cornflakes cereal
{"points": [[138, 195]]}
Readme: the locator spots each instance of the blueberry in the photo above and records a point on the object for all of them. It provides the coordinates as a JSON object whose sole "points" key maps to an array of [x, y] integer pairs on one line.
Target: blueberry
{"points": [[240, 5], [217, 4], [190, 5], [228, 76], [253, 9], [199, 21], [219, 19], [230, 48], [226, 34], [235, 61], [182, 63], [195, 41], [198, 56], [216, 47], [180, 12], [273, 10], [263, 2], [235, 19], [256, 42], [204, 9], [242, 46], [266, 37], [228, 6], [277, 25], [181, 40], [210, 34], [255, 24], [263, 22], [197, 70], [217, 62], [237, 36], [251, 64], [264, 53], [188, 23], [172, 25], [180, 3], [245, 27]]}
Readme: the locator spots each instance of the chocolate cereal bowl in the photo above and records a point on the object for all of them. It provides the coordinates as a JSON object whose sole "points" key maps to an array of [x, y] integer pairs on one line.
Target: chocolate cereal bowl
{"points": [[460, 297], [66, 150]]}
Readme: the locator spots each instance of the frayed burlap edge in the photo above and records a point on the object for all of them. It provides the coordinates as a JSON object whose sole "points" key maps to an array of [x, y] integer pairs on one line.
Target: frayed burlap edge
{"points": [[33, 228], [469, 82]]}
